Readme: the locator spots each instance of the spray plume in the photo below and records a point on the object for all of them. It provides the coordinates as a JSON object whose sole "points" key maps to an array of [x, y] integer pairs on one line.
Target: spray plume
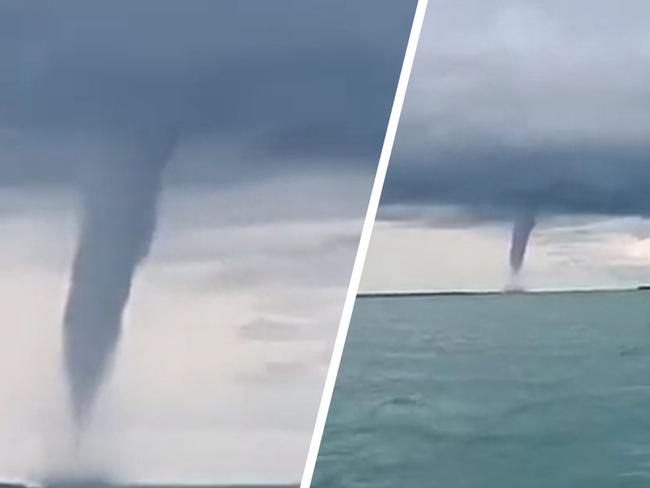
{"points": [[119, 200], [523, 226]]}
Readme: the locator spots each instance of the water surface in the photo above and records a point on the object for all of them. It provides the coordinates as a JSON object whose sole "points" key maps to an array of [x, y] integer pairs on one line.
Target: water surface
{"points": [[503, 391]]}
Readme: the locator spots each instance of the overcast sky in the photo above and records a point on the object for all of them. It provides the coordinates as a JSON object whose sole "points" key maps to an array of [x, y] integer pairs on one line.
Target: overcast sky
{"points": [[520, 106], [274, 114]]}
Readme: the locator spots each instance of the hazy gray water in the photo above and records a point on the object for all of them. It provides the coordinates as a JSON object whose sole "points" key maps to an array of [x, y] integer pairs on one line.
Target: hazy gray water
{"points": [[103, 484], [498, 391]]}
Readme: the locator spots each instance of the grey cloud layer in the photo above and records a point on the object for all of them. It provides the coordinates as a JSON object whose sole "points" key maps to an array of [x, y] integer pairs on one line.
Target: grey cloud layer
{"points": [[285, 78], [537, 105]]}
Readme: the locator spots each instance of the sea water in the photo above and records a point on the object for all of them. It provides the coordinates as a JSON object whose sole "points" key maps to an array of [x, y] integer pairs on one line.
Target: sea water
{"points": [[506, 391]]}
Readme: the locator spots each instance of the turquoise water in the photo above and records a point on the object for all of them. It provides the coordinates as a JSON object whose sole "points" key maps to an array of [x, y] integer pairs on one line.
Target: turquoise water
{"points": [[545, 390]]}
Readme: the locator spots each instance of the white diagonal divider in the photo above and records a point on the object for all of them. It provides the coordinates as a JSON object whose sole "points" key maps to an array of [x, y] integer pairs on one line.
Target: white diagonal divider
{"points": [[364, 241]]}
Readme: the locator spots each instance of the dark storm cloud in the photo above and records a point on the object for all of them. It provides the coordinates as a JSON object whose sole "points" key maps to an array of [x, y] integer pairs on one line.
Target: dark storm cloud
{"points": [[541, 106], [584, 179], [282, 79]]}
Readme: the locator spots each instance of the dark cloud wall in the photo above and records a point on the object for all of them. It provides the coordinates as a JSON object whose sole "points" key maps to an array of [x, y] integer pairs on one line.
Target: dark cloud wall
{"points": [[596, 179], [283, 79], [537, 105]]}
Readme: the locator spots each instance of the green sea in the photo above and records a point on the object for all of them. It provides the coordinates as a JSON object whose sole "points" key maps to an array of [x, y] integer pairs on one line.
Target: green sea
{"points": [[548, 390]]}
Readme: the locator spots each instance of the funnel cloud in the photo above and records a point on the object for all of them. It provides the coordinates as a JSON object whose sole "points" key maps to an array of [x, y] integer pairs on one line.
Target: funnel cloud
{"points": [[521, 230], [119, 199]]}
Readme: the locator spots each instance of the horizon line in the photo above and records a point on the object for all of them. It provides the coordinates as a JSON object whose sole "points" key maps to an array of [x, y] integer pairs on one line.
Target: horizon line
{"points": [[504, 291]]}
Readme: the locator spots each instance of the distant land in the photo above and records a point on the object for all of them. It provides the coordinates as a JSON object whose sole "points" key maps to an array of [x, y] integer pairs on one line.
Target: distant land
{"points": [[452, 293]]}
